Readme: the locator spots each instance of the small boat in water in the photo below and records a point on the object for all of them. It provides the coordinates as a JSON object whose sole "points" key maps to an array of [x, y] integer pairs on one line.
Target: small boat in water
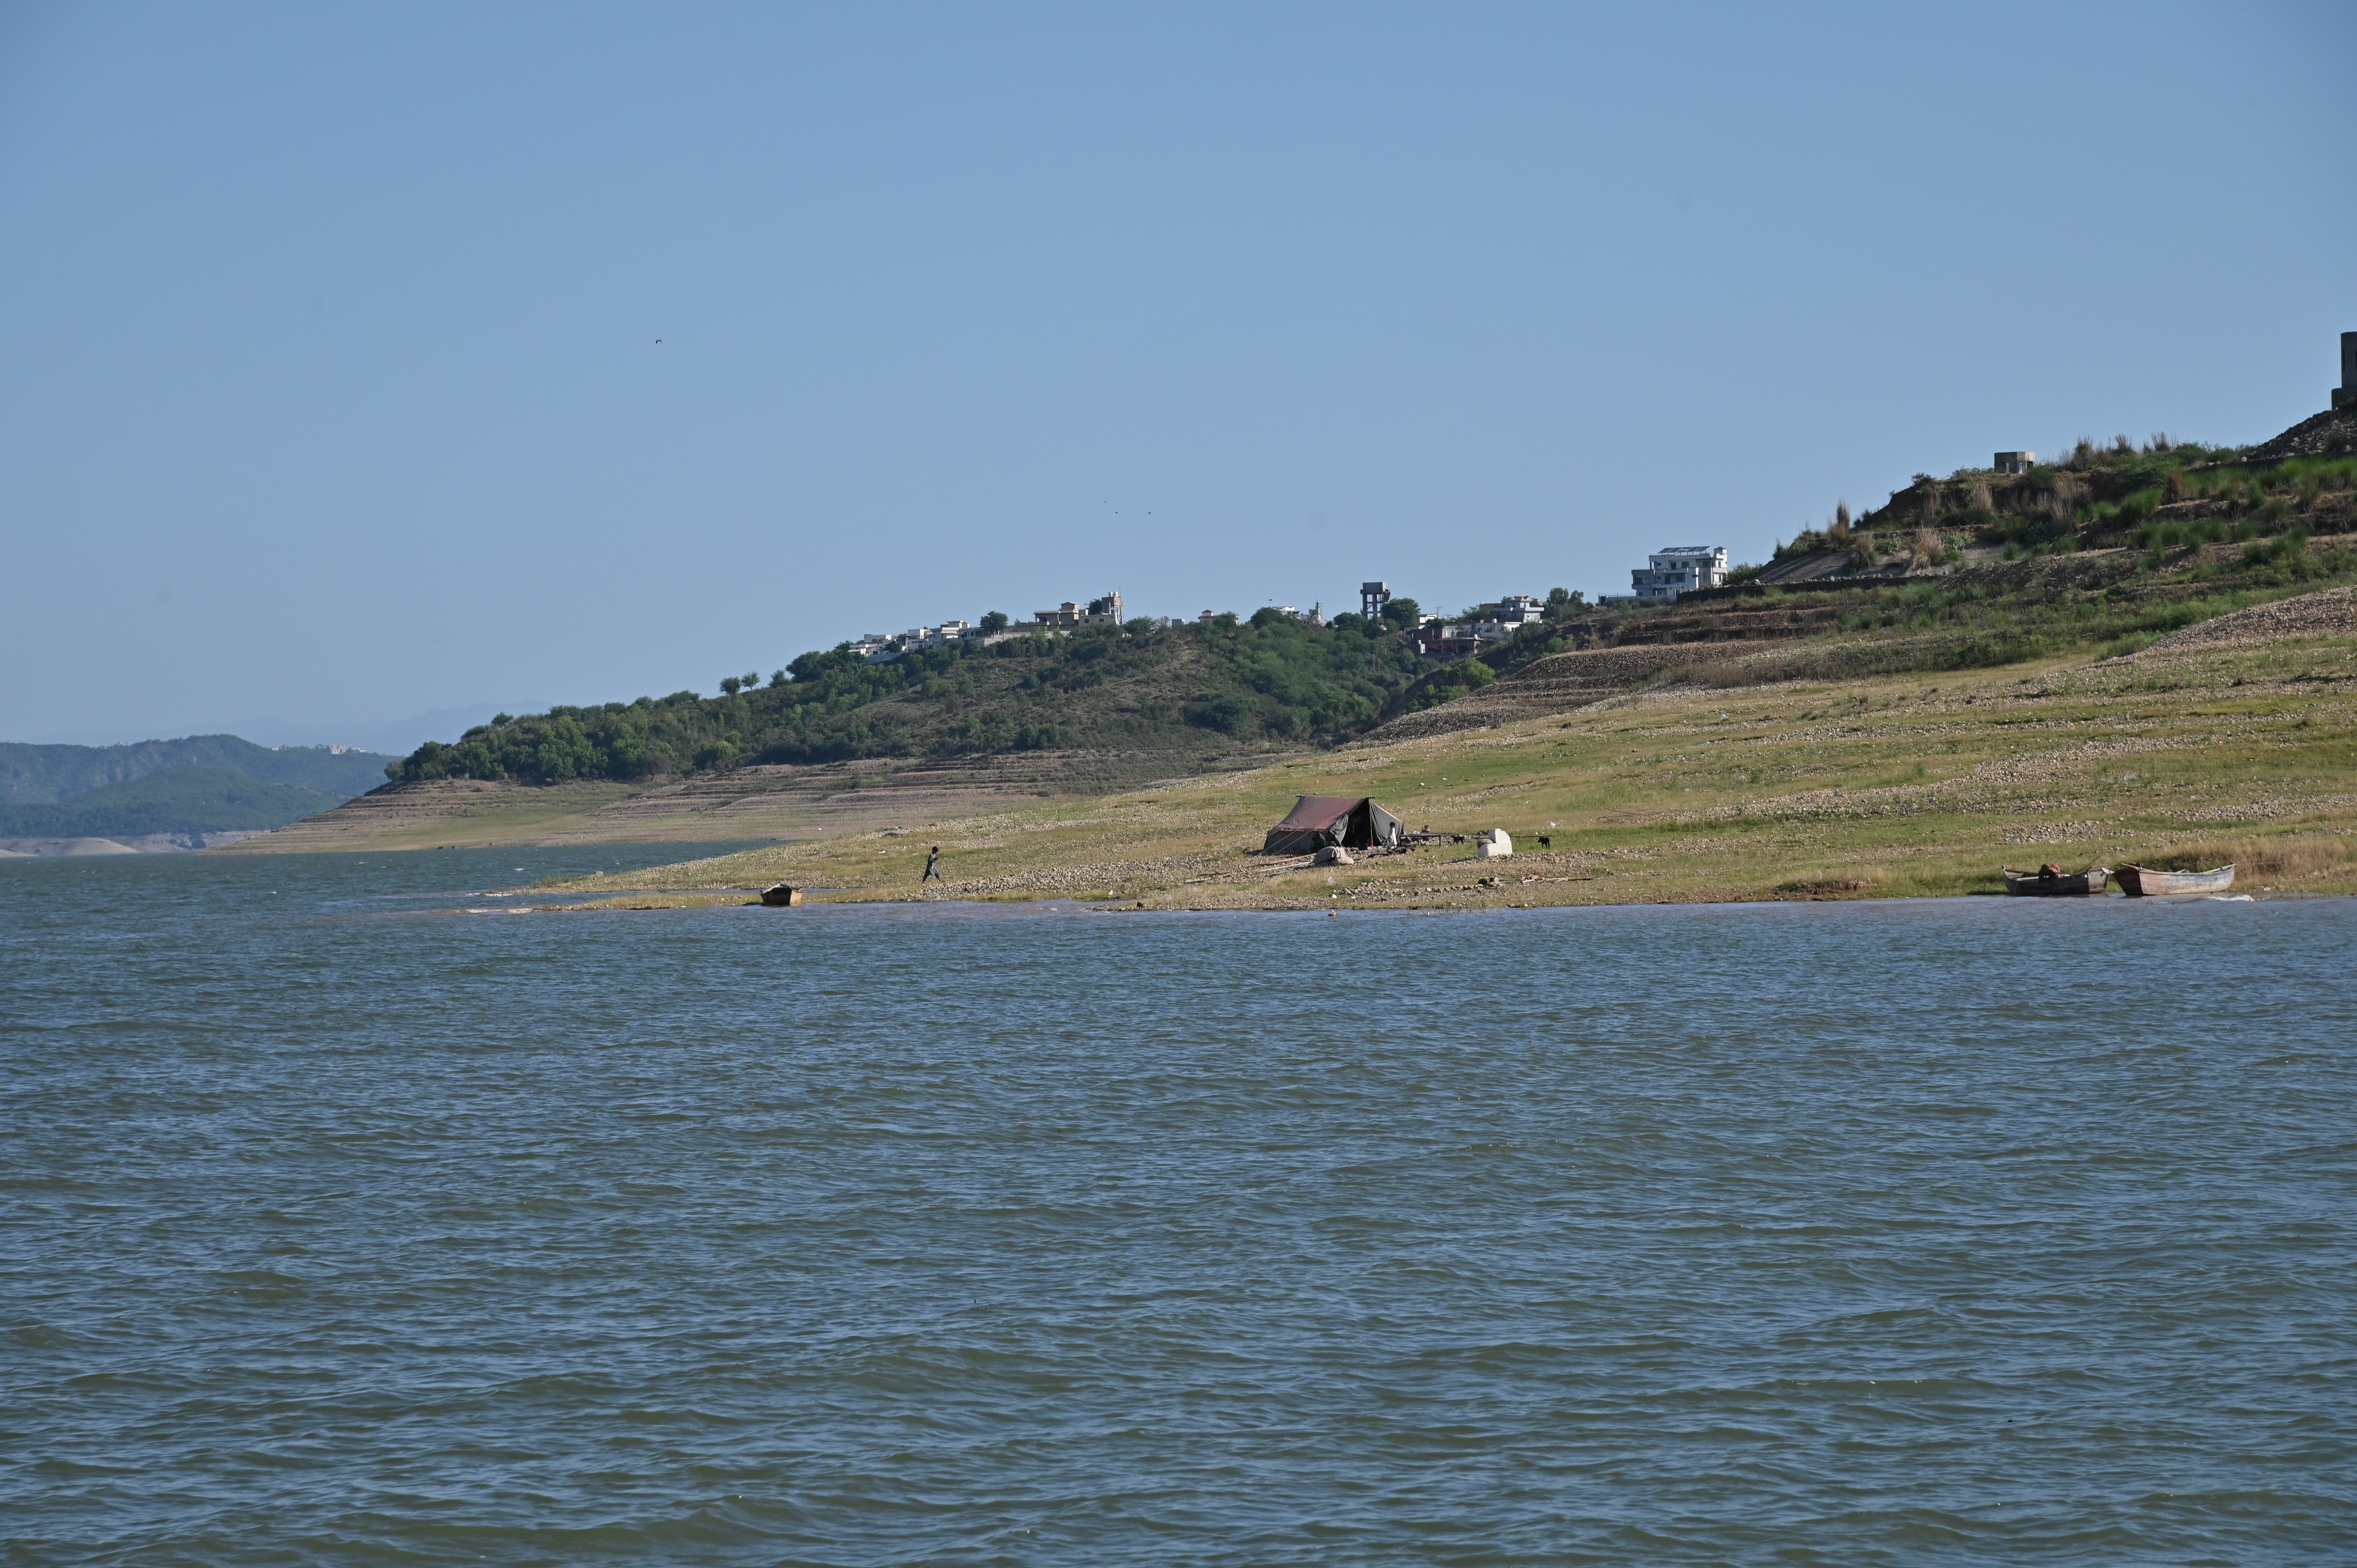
{"points": [[2050, 881], [2142, 882]]}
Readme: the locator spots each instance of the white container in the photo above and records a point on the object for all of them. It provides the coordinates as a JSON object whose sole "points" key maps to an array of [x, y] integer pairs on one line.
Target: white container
{"points": [[1495, 844]]}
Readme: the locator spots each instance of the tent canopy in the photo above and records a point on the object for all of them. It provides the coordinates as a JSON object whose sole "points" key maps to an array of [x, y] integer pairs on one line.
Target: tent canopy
{"points": [[1354, 821]]}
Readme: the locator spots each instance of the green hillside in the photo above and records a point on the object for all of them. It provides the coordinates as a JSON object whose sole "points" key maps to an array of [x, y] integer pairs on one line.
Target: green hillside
{"points": [[2163, 495], [1979, 569], [169, 801], [1175, 699], [1982, 568], [42, 773]]}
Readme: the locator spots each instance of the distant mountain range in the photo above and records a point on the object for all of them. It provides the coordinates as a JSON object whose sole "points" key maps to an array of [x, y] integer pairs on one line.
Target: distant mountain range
{"points": [[177, 801], [395, 737], [188, 789]]}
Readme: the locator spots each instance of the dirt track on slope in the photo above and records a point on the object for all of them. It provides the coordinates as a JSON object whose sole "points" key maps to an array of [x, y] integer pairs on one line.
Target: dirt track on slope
{"points": [[1557, 684]]}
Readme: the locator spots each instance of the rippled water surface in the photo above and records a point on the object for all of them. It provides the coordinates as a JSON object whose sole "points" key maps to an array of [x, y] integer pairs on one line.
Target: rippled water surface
{"points": [[341, 1228]]}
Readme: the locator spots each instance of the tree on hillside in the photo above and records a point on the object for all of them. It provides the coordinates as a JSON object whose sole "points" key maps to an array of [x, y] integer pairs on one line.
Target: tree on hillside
{"points": [[731, 684], [996, 620]]}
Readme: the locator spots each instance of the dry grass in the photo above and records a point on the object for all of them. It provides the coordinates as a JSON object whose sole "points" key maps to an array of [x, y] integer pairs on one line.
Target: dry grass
{"points": [[1897, 786]]}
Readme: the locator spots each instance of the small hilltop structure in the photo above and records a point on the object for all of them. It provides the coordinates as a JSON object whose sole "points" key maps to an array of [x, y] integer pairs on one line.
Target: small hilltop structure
{"points": [[1680, 569]]}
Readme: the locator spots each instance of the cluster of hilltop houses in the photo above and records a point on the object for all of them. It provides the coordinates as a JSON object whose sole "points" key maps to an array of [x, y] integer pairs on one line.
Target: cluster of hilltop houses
{"points": [[1667, 575], [1681, 569], [876, 647], [1495, 623]]}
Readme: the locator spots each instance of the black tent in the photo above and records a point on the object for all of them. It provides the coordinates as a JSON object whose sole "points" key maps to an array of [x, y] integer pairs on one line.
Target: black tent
{"points": [[1352, 821]]}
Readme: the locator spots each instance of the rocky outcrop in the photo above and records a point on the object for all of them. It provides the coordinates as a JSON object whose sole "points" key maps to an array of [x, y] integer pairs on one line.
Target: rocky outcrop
{"points": [[2332, 433], [2330, 613]]}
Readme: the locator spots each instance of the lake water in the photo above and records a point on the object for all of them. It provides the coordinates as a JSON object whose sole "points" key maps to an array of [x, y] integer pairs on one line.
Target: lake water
{"points": [[342, 1229]]}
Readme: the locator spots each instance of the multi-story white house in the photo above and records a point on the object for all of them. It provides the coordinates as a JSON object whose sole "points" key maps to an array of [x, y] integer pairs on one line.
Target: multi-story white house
{"points": [[1514, 612], [1680, 569]]}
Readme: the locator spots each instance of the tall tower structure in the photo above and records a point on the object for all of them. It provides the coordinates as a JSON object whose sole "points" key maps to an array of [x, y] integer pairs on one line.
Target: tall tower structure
{"points": [[2345, 394], [1373, 596]]}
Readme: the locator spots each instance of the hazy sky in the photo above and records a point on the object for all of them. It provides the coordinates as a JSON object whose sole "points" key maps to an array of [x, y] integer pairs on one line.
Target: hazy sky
{"points": [[332, 388]]}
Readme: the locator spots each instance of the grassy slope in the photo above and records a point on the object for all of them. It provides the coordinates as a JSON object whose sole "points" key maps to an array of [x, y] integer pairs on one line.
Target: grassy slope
{"points": [[1910, 784], [1995, 611], [170, 801]]}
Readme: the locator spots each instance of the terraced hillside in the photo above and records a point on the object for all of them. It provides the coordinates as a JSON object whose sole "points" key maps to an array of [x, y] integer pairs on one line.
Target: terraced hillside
{"points": [[1982, 615]]}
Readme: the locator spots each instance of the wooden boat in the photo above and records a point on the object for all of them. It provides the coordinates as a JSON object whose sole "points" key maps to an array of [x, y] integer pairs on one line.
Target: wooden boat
{"points": [[2142, 882], [2056, 885]]}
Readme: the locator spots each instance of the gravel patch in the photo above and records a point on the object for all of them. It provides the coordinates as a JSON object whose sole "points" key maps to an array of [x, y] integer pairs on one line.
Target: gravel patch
{"points": [[2331, 612]]}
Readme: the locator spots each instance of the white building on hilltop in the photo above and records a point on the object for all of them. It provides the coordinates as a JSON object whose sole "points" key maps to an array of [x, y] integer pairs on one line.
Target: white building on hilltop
{"points": [[1105, 611], [1681, 569], [1514, 612]]}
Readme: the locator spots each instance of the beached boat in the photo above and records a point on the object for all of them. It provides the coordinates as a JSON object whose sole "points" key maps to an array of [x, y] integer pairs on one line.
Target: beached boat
{"points": [[2142, 882], [2051, 883]]}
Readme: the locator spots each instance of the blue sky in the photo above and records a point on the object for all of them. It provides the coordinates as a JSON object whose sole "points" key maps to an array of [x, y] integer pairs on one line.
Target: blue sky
{"points": [[332, 389]]}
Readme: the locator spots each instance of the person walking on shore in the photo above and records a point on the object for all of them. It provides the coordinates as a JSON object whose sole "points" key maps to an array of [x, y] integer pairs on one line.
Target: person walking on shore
{"points": [[932, 868]]}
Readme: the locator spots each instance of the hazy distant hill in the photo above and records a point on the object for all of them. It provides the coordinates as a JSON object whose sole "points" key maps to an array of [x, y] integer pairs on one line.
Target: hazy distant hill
{"points": [[52, 773], [188, 800]]}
